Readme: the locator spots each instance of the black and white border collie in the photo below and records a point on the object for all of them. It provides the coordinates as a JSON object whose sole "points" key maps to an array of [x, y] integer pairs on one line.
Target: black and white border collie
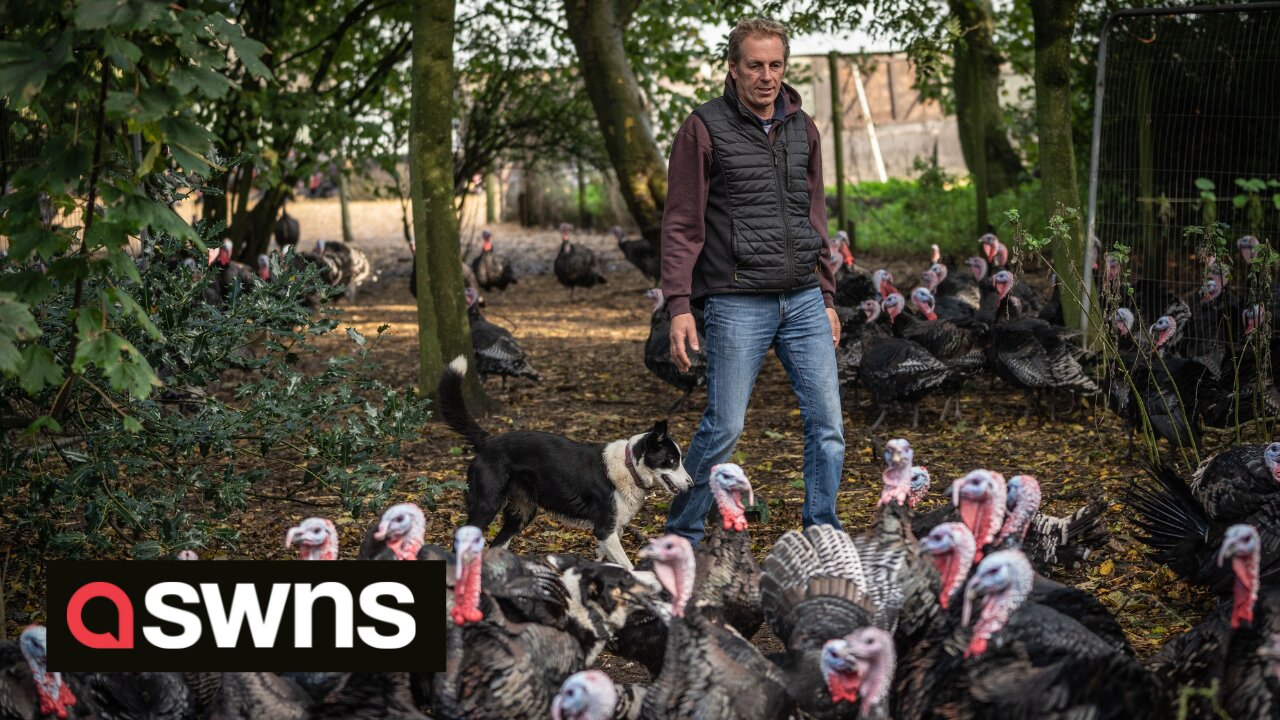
{"points": [[599, 486]]}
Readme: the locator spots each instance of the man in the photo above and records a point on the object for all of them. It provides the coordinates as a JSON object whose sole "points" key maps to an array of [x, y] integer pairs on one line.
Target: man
{"points": [[745, 234]]}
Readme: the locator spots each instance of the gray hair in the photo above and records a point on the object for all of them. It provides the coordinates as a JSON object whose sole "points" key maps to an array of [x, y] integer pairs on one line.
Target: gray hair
{"points": [[757, 27]]}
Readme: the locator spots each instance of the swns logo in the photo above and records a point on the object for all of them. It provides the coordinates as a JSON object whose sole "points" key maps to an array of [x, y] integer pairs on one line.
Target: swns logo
{"points": [[222, 616]]}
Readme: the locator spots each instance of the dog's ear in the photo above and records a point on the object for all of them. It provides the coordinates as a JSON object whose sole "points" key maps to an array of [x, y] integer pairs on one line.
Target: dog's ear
{"points": [[660, 429]]}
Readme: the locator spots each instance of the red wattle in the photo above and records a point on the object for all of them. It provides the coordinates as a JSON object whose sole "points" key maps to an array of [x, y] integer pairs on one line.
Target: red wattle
{"points": [[844, 686], [977, 646]]}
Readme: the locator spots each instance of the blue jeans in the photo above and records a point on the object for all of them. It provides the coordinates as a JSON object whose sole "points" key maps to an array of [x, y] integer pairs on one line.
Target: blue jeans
{"points": [[740, 329]]}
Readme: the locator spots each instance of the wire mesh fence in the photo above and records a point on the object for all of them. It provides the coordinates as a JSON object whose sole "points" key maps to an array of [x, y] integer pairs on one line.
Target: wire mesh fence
{"points": [[1185, 188]]}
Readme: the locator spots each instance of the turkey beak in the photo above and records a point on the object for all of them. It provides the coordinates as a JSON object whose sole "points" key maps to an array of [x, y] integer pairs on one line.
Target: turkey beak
{"points": [[1226, 551]]}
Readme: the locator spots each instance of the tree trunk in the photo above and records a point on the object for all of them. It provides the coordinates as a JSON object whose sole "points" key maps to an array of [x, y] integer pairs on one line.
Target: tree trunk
{"points": [[596, 26], [344, 199], [1055, 22], [443, 330], [977, 95]]}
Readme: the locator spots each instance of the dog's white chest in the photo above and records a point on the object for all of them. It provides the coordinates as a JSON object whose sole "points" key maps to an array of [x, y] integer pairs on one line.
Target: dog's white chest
{"points": [[627, 503]]}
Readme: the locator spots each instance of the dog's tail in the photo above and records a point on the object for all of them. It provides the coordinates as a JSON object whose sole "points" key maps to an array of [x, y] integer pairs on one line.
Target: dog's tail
{"points": [[453, 408]]}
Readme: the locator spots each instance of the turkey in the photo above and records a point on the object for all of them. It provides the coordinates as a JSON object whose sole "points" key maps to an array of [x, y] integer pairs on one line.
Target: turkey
{"points": [[640, 254], [1033, 355], [1020, 660], [490, 269], [497, 666], [812, 588], [576, 266], [657, 351], [1175, 393], [398, 535], [899, 578], [895, 370], [133, 695], [495, 348], [1234, 646], [710, 671], [234, 278], [317, 539], [946, 307], [849, 352], [854, 288], [27, 688], [1048, 541], [995, 252], [1208, 331], [729, 578], [960, 289], [1144, 300], [1248, 380], [1183, 524], [591, 695], [953, 345], [286, 231], [349, 267], [371, 696], [249, 694]]}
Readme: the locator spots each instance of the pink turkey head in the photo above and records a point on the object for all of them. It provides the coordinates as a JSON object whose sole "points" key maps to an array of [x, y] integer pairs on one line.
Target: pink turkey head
{"points": [[952, 547], [317, 539], [859, 668], [586, 695], [1243, 547]]}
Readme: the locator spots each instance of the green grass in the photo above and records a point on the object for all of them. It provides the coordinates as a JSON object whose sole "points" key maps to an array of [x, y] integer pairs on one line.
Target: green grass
{"points": [[905, 217]]}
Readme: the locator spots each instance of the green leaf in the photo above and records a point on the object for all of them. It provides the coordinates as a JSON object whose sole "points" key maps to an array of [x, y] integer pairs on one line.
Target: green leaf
{"points": [[210, 84], [1204, 184], [147, 550], [356, 336], [149, 160], [248, 50], [130, 308], [44, 422], [16, 325], [1239, 201], [23, 70], [38, 369], [123, 53], [131, 424]]}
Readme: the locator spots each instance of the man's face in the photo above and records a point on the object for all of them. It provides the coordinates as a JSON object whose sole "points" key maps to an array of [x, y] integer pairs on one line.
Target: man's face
{"points": [[758, 74]]}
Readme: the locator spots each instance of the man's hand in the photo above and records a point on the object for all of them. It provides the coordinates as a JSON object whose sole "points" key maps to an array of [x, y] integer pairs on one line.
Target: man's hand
{"points": [[684, 329], [832, 317]]}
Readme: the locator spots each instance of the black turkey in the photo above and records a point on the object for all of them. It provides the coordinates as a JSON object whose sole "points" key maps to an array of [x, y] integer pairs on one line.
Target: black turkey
{"points": [[895, 370], [576, 266], [234, 278], [1020, 660], [954, 346], [1248, 381], [1234, 646], [495, 348], [657, 351], [1183, 524], [492, 271], [710, 670], [962, 289], [287, 232], [1175, 393], [1033, 355], [27, 688], [640, 254], [899, 578], [497, 666], [813, 592], [729, 576]]}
